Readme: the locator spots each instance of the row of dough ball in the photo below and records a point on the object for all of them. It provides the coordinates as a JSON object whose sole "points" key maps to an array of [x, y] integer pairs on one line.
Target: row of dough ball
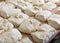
{"points": [[25, 5], [7, 12], [34, 2], [43, 16], [31, 9], [52, 19]]}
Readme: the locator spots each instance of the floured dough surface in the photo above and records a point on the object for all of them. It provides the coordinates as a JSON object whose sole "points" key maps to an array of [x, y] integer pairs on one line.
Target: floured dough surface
{"points": [[28, 21]]}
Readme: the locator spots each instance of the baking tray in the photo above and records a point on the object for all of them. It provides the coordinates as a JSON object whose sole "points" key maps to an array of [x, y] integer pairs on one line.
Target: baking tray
{"points": [[53, 36]]}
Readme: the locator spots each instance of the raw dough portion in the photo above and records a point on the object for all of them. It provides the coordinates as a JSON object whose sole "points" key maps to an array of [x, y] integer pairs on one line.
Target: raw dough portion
{"points": [[33, 11], [29, 25], [26, 40], [35, 22], [46, 28], [49, 6], [5, 25], [56, 10], [54, 21], [7, 11], [40, 37], [53, 1], [25, 5], [10, 36], [17, 19], [30, 12], [38, 2], [43, 15], [4, 4]]}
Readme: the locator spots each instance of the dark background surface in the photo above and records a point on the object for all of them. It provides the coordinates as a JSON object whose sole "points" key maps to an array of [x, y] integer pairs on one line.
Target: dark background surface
{"points": [[56, 39]]}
